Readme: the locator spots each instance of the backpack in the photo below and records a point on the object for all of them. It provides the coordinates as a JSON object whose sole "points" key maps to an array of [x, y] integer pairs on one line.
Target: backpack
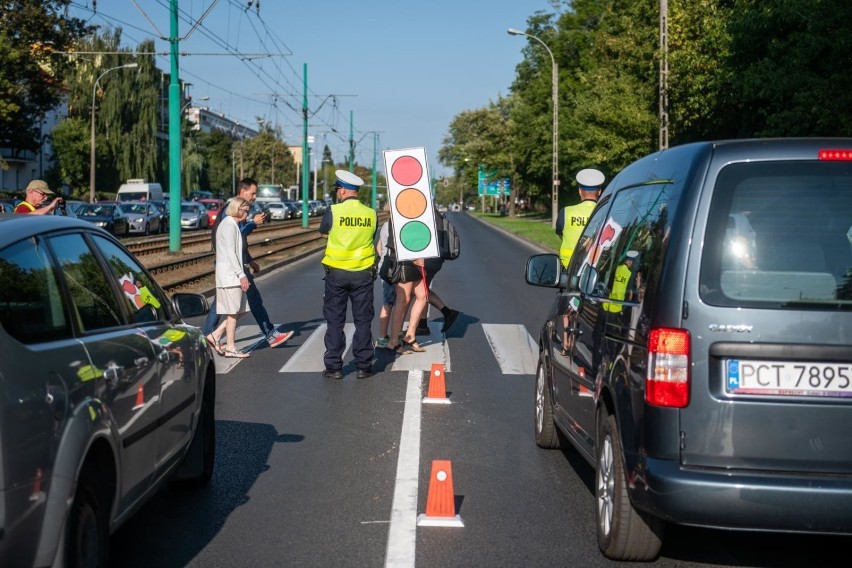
{"points": [[449, 244]]}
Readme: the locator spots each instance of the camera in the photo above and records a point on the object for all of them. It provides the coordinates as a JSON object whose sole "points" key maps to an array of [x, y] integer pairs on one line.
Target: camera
{"points": [[63, 208]]}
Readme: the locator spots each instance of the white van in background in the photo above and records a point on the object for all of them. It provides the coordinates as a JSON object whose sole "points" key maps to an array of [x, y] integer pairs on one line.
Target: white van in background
{"points": [[139, 190]]}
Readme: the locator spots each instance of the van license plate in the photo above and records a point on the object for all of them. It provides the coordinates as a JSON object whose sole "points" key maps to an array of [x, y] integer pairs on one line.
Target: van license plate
{"points": [[781, 378]]}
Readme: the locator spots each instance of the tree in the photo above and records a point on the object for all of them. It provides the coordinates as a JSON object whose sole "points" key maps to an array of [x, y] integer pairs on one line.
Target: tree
{"points": [[32, 33]]}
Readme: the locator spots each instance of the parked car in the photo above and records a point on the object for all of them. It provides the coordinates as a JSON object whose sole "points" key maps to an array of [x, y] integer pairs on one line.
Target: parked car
{"points": [[163, 210], [143, 216], [277, 211], [193, 215], [105, 394], [7, 205], [707, 366], [213, 207], [106, 215], [71, 205]]}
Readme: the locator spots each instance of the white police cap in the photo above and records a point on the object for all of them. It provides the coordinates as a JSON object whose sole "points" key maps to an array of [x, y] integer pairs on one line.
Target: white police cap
{"points": [[348, 180], [590, 179], [631, 254]]}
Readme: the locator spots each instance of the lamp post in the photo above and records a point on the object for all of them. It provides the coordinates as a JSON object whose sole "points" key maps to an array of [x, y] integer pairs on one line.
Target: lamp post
{"points": [[92, 152], [555, 87]]}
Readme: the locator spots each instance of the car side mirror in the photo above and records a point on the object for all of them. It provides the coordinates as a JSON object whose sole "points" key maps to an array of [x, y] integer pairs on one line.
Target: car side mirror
{"points": [[544, 270], [189, 305], [588, 280]]}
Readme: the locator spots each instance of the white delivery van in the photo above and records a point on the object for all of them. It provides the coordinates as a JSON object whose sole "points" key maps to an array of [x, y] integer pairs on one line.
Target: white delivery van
{"points": [[139, 190]]}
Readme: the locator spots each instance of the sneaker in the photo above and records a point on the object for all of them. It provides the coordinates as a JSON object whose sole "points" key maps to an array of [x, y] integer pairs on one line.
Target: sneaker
{"points": [[449, 320], [382, 342], [332, 374], [276, 338]]}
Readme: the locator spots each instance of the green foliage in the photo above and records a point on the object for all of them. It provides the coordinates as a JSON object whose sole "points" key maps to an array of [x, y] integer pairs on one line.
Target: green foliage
{"points": [[32, 32]]}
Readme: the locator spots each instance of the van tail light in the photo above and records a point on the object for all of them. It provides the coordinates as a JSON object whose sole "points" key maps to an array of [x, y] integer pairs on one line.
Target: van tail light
{"points": [[667, 383]]}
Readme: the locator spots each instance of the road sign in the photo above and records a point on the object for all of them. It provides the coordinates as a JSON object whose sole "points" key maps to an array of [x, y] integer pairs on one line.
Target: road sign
{"points": [[412, 213]]}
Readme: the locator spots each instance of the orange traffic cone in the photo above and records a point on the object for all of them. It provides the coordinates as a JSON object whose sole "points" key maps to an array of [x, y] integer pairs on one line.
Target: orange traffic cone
{"points": [[437, 393], [140, 398], [440, 502]]}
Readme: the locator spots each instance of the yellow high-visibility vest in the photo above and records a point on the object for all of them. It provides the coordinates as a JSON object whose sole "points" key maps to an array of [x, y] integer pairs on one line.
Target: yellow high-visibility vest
{"points": [[576, 217], [350, 240], [619, 288]]}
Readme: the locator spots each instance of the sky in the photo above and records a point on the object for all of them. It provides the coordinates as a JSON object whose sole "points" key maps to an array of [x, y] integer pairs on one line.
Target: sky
{"points": [[398, 68]]}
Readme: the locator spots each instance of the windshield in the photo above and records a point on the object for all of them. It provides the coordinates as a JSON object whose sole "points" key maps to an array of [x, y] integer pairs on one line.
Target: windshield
{"points": [[135, 208], [95, 210], [189, 209]]}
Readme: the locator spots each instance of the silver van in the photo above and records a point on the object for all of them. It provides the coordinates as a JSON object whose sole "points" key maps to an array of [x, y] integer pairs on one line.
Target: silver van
{"points": [[139, 190], [705, 370]]}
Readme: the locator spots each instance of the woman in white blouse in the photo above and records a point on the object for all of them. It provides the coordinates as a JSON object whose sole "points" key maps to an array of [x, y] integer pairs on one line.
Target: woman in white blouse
{"points": [[231, 280]]}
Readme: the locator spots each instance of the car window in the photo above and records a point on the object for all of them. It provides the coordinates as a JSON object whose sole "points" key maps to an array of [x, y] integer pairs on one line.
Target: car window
{"points": [[780, 235], [92, 293], [144, 298], [32, 307]]}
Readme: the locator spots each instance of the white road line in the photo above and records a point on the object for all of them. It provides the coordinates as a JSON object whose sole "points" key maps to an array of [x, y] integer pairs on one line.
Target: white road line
{"points": [[402, 534], [514, 349], [437, 351], [309, 357], [245, 336]]}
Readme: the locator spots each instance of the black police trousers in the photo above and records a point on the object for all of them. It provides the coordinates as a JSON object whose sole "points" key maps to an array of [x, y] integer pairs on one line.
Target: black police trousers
{"points": [[342, 287]]}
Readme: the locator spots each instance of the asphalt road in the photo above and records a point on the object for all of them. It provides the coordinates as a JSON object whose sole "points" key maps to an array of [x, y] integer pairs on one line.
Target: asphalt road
{"points": [[320, 473]]}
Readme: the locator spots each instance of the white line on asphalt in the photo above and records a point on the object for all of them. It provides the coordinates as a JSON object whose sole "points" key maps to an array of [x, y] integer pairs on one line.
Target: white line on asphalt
{"points": [[308, 358], [402, 534], [514, 349]]}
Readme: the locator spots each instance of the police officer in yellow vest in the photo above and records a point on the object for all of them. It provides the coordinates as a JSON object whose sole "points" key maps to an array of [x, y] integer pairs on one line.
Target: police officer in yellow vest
{"points": [[572, 219], [349, 262], [622, 286]]}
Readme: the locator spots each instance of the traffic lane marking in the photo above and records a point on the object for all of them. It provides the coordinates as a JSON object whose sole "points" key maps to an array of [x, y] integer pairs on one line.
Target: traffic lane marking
{"points": [[308, 358], [515, 350]]}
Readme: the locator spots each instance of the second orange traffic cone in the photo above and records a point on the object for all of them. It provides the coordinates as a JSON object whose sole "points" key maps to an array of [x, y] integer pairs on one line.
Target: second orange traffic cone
{"points": [[441, 500], [437, 393]]}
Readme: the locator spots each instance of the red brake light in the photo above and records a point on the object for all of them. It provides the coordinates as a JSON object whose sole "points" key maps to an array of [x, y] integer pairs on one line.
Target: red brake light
{"points": [[667, 383], [837, 155]]}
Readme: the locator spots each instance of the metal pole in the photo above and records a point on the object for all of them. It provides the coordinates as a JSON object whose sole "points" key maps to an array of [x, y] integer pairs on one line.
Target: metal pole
{"points": [[175, 190], [305, 174], [555, 87], [92, 141], [373, 194], [351, 142]]}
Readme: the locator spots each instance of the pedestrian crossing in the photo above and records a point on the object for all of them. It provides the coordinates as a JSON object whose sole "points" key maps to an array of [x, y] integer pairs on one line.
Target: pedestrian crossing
{"points": [[512, 347]]}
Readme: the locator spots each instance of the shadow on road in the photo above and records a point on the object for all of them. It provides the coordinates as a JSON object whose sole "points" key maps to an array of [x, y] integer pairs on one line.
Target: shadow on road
{"points": [[178, 523]]}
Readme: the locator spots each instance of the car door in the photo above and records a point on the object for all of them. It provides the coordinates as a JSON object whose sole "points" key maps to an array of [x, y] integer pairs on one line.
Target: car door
{"points": [[122, 363], [575, 369], [174, 349]]}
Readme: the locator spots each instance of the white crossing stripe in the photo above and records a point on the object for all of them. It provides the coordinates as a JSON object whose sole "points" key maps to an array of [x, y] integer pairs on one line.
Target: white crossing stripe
{"points": [[513, 347], [244, 337], [309, 357]]}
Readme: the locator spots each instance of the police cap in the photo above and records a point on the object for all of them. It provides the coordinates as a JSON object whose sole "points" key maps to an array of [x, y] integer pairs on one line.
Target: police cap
{"points": [[590, 179], [348, 180]]}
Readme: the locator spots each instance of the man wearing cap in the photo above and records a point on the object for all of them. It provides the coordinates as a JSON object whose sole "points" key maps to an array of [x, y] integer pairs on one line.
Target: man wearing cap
{"points": [[572, 219], [349, 263], [37, 193], [622, 288], [570, 224]]}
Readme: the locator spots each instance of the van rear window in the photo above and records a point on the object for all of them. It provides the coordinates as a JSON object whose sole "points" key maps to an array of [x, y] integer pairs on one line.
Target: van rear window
{"points": [[779, 234]]}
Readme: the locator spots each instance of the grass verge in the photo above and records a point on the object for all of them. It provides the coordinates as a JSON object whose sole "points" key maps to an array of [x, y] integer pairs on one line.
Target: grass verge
{"points": [[534, 228]]}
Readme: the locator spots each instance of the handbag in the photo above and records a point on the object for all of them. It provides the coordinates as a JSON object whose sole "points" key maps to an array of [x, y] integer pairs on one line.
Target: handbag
{"points": [[390, 269]]}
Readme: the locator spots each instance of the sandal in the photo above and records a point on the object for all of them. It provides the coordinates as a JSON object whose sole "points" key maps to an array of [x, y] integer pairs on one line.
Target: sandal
{"points": [[413, 345], [396, 349], [215, 345], [236, 354]]}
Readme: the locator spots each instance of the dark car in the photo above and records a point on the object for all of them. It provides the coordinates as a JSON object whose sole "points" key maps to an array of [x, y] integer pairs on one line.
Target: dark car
{"points": [[106, 215], [163, 210], [705, 370], [105, 392], [143, 216]]}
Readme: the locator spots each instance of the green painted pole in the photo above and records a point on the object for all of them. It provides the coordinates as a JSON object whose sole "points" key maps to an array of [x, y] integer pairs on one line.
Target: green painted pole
{"points": [[305, 173], [175, 192], [351, 142], [375, 137]]}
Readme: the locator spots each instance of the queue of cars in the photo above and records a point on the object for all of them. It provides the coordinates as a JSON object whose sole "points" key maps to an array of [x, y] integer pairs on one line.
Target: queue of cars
{"points": [[105, 392], [698, 352]]}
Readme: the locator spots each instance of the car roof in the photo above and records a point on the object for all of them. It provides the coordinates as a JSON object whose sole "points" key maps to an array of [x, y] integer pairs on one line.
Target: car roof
{"points": [[15, 227]]}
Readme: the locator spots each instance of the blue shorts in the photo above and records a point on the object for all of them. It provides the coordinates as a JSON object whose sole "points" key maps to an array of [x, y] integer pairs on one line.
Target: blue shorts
{"points": [[388, 293]]}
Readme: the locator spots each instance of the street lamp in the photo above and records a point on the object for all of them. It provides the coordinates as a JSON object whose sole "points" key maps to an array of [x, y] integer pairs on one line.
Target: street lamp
{"points": [[92, 154], [555, 86]]}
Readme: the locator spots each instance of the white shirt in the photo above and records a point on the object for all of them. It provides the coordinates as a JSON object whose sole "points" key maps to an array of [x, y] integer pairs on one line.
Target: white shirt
{"points": [[229, 254]]}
